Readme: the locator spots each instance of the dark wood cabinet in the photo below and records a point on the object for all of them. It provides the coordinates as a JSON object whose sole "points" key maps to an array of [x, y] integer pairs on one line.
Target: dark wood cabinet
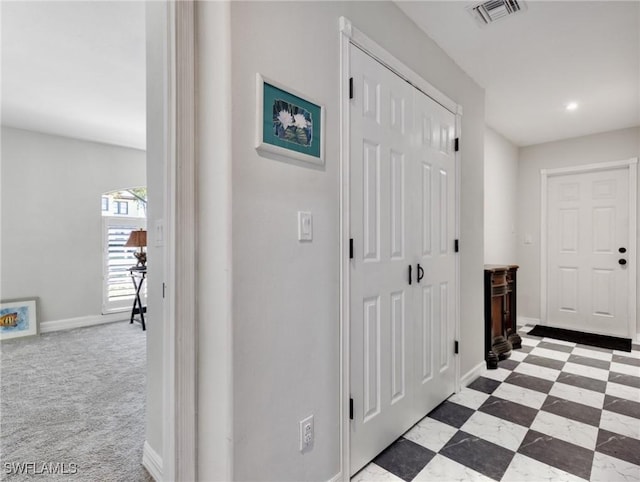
{"points": [[499, 302]]}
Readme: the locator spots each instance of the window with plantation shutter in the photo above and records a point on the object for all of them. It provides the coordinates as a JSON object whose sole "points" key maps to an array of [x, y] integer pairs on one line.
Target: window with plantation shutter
{"points": [[118, 290]]}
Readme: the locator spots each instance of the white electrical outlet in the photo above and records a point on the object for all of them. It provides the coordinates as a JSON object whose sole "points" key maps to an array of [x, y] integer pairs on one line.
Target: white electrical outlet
{"points": [[306, 434]]}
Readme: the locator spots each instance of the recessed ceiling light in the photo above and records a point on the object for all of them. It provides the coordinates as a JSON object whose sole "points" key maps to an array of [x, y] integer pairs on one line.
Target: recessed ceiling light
{"points": [[572, 106]]}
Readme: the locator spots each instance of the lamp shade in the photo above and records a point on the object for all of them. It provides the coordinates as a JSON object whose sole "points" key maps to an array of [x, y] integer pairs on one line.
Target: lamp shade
{"points": [[137, 238]]}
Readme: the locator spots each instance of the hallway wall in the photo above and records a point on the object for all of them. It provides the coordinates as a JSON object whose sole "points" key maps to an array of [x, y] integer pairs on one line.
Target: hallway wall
{"points": [[285, 318], [500, 198]]}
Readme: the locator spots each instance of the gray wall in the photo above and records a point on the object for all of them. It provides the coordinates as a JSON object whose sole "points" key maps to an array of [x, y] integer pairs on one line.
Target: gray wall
{"points": [[609, 146], [51, 218], [286, 294], [500, 199], [215, 321]]}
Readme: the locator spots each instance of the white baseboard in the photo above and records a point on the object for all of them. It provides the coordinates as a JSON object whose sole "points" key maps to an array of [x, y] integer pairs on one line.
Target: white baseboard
{"points": [[152, 462], [336, 478], [474, 373], [82, 321], [523, 320]]}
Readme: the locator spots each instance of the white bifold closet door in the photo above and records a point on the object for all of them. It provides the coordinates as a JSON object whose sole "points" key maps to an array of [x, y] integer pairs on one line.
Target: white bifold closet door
{"points": [[403, 214]]}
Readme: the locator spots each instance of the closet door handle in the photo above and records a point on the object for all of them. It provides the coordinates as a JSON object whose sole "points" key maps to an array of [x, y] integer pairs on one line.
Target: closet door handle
{"points": [[410, 274], [420, 273]]}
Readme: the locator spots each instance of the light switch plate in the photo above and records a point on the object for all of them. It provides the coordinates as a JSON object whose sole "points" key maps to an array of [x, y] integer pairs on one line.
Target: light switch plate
{"points": [[305, 226], [158, 233]]}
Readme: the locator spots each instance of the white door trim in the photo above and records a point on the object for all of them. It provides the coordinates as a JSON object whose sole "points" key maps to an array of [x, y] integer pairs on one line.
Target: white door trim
{"points": [[632, 165], [179, 339], [351, 35], [168, 316], [371, 48], [184, 238], [189, 289]]}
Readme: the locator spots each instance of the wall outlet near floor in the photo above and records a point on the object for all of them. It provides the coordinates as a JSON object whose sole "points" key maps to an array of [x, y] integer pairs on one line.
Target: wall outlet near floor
{"points": [[306, 434]]}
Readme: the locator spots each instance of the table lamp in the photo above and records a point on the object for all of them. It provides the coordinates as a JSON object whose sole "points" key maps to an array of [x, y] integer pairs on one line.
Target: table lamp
{"points": [[138, 239]]}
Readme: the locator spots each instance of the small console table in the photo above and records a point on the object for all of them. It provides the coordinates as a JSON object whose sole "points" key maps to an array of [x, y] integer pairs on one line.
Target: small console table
{"points": [[499, 302], [138, 275]]}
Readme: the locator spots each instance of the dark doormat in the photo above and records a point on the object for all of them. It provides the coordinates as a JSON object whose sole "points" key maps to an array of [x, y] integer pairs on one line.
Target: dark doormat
{"points": [[602, 341]]}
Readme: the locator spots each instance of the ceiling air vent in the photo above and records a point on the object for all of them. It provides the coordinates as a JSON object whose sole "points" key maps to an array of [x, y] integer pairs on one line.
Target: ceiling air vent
{"points": [[488, 12]]}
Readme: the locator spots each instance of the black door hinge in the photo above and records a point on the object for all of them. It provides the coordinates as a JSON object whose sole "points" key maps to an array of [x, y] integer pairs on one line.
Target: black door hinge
{"points": [[456, 245], [351, 409], [350, 87], [456, 144], [456, 347], [351, 248]]}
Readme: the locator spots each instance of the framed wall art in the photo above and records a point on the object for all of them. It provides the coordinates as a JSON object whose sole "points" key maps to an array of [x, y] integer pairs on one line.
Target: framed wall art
{"points": [[18, 318], [289, 124]]}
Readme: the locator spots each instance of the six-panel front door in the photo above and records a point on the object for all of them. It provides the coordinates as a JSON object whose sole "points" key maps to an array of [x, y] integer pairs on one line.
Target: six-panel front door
{"points": [[588, 236], [403, 284]]}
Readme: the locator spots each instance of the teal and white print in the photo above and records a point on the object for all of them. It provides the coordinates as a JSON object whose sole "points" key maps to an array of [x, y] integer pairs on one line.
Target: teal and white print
{"points": [[292, 123], [289, 126]]}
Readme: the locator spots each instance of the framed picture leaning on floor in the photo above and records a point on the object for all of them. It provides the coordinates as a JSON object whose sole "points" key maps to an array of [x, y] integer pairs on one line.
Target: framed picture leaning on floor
{"points": [[18, 318]]}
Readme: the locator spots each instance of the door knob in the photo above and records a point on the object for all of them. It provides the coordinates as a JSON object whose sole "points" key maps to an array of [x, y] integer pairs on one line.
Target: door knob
{"points": [[420, 273], [622, 250], [622, 261]]}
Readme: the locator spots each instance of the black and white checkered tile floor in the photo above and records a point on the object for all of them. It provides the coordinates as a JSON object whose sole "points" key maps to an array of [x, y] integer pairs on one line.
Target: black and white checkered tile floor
{"points": [[553, 411]]}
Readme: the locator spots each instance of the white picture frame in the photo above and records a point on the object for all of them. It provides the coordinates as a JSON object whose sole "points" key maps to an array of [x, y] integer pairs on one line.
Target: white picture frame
{"points": [[298, 133], [18, 319]]}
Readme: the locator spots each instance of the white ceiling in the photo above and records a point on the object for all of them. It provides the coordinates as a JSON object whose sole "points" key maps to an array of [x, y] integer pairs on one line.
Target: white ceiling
{"points": [[75, 69], [535, 62], [78, 68]]}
